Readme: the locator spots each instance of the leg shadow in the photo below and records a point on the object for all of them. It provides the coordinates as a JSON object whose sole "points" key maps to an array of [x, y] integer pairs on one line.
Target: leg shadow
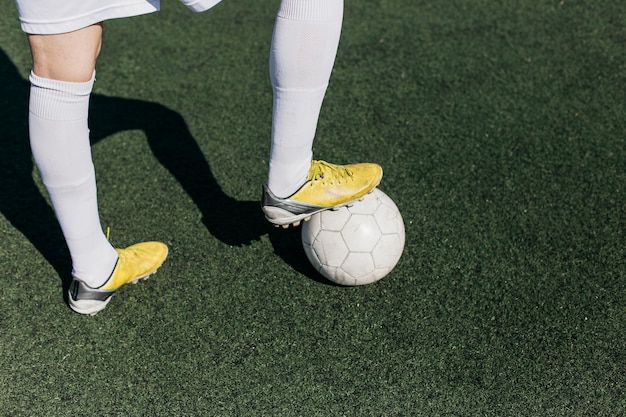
{"points": [[233, 222], [21, 201]]}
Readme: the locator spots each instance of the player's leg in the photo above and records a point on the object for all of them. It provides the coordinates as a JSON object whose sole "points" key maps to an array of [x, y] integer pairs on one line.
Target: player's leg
{"points": [[61, 81], [67, 57], [302, 55]]}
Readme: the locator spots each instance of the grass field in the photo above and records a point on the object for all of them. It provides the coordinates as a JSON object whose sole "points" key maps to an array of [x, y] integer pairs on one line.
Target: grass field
{"points": [[501, 128]]}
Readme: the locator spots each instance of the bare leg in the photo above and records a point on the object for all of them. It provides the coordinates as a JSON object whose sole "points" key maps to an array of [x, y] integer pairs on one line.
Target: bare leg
{"points": [[67, 56]]}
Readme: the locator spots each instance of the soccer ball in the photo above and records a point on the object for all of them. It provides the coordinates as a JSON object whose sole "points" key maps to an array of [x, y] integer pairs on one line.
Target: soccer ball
{"points": [[356, 245]]}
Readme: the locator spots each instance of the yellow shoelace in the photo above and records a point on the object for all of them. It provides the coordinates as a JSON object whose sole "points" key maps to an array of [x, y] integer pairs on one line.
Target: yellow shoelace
{"points": [[322, 170]]}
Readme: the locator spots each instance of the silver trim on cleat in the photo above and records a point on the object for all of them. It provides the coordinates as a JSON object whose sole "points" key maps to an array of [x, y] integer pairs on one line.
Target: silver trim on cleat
{"points": [[282, 212]]}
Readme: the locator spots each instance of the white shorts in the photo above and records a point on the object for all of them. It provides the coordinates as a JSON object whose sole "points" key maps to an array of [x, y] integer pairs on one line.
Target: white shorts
{"points": [[46, 17]]}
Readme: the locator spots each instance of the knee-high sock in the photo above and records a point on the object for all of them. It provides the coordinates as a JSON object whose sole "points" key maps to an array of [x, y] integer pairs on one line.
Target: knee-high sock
{"points": [[302, 55], [59, 139]]}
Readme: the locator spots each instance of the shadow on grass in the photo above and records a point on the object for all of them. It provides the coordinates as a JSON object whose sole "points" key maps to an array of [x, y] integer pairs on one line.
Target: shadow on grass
{"points": [[21, 202], [287, 244], [233, 222]]}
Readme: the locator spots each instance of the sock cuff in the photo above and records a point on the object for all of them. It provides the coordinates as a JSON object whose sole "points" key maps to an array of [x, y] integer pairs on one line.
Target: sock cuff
{"points": [[59, 100], [311, 10]]}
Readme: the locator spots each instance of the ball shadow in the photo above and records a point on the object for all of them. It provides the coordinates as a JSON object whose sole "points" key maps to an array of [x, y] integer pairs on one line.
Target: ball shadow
{"points": [[287, 244]]}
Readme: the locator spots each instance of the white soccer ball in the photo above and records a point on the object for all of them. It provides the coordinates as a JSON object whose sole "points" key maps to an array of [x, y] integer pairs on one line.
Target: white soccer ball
{"points": [[356, 245]]}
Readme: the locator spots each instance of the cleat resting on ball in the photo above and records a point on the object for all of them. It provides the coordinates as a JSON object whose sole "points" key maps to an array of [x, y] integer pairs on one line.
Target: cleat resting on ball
{"points": [[327, 187]]}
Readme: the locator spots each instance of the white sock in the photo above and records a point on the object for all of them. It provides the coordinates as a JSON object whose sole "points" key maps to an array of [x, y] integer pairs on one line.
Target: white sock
{"points": [[59, 139], [304, 46]]}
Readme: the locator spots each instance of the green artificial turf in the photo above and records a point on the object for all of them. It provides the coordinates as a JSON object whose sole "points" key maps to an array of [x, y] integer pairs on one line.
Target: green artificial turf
{"points": [[501, 128]]}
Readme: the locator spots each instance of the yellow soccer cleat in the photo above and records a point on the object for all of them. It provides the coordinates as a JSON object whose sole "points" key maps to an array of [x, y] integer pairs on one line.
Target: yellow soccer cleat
{"points": [[136, 262], [327, 187]]}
